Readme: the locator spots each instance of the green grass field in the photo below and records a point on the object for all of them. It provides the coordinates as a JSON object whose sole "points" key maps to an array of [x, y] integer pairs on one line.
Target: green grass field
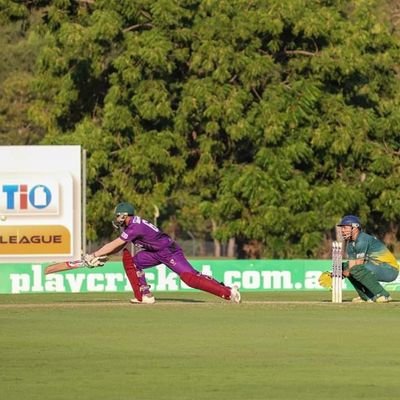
{"points": [[193, 346]]}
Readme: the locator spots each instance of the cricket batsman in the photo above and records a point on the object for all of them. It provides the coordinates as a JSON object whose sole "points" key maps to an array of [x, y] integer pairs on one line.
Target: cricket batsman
{"points": [[369, 262], [156, 247]]}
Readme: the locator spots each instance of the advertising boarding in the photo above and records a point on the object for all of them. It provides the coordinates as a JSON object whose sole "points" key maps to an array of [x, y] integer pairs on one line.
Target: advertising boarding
{"points": [[40, 203]]}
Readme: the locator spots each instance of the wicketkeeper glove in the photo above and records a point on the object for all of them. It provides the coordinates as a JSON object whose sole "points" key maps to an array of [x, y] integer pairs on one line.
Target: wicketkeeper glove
{"points": [[325, 280], [91, 261]]}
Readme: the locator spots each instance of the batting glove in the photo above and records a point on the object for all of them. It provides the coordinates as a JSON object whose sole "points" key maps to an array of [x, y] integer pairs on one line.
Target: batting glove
{"points": [[91, 261]]}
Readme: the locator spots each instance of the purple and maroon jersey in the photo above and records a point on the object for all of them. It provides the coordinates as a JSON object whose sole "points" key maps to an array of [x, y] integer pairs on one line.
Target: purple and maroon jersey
{"points": [[145, 234]]}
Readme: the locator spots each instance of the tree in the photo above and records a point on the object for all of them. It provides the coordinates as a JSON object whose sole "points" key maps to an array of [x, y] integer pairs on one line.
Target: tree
{"points": [[263, 121], [18, 47], [288, 102]]}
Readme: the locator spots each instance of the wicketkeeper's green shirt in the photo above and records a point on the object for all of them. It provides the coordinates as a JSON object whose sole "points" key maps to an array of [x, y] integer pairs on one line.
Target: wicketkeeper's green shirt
{"points": [[371, 249]]}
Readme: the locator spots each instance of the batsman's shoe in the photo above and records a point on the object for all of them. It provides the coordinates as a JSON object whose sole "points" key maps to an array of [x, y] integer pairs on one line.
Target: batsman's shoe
{"points": [[147, 299], [383, 299], [235, 294], [360, 300]]}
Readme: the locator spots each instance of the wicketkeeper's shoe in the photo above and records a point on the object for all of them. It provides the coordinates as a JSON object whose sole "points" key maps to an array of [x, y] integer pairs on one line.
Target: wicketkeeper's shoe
{"points": [[360, 300], [383, 299], [235, 294], [147, 299]]}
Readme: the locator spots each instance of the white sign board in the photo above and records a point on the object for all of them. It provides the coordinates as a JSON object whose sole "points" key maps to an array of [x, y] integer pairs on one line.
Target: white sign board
{"points": [[40, 203]]}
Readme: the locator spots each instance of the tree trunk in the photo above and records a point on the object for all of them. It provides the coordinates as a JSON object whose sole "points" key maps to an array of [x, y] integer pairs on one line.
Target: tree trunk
{"points": [[217, 243], [230, 252]]}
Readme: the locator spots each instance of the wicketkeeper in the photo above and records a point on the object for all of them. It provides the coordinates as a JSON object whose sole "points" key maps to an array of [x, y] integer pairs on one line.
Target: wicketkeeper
{"points": [[369, 262], [156, 247]]}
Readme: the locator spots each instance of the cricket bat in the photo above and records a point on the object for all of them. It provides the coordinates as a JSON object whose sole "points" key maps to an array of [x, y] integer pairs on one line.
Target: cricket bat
{"points": [[64, 266]]}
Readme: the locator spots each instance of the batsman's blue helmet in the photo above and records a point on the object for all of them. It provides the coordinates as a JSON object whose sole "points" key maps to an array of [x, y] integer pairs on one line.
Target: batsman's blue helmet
{"points": [[124, 208], [350, 220]]}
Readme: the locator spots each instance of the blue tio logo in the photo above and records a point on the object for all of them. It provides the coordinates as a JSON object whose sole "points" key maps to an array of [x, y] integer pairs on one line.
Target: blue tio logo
{"points": [[19, 196]]}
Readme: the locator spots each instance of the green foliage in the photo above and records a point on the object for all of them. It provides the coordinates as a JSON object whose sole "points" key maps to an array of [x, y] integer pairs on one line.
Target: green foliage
{"points": [[18, 49], [12, 11], [264, 121]]}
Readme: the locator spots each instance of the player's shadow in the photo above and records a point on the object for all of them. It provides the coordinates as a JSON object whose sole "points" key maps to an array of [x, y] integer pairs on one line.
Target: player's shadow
{"points": [[179, 300], [348, 301], [117, 301]]}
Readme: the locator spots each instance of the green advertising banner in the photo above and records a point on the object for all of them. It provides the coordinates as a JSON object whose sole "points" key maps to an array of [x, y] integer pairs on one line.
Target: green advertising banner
{"points": [[249, 275]]}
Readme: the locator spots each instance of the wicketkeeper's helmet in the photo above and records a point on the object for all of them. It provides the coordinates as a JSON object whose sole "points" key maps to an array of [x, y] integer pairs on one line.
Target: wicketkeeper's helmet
{"points": [[350, 220], [124, 209]]}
